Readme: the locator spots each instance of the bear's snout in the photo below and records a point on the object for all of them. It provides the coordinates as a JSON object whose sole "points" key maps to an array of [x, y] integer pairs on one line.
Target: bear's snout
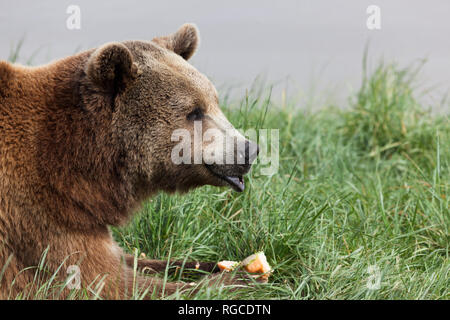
{"points": [[232, 173]]}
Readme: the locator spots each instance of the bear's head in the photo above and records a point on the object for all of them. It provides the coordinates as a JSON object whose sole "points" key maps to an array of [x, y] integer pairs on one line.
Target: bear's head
{"points": [[164, 110]]}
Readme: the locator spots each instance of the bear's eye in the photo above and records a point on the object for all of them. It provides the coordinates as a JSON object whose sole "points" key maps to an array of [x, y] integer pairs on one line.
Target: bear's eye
{"points": [[195, 115]]}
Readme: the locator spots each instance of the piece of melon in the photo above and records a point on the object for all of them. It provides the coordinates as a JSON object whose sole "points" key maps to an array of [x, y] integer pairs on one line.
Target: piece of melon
{"points": [[227, 265], [257, 263]]}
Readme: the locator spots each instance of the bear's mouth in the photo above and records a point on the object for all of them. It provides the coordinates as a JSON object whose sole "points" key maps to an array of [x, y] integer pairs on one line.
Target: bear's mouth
{"points": [[236, 182]]}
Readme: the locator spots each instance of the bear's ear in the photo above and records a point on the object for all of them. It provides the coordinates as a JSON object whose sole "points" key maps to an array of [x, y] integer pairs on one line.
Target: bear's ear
{"points": [[111, 67], [184, 42]]}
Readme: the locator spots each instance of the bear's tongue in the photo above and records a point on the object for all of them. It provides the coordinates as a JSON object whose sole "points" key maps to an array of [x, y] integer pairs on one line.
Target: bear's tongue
{"points": [[236, 182]]}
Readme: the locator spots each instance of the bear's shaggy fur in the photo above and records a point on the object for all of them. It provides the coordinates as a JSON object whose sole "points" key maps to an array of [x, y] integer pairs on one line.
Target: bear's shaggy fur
{"points": [[83, 141]]}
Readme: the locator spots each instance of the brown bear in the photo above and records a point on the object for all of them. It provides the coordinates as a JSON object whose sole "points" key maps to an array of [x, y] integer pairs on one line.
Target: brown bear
{"points": [[83, 142]]}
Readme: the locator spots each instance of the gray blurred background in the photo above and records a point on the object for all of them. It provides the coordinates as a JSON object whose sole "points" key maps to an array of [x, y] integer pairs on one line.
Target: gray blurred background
{"points": [[306, 47]]}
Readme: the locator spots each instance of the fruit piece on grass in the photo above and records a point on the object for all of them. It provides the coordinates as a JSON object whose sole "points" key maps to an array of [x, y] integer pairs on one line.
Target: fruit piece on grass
{"points": [[227, 265], [257, 263]]}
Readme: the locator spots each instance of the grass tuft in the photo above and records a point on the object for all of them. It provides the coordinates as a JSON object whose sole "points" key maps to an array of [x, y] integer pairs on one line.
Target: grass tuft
{"points": [[361, 195], [359, 208]]}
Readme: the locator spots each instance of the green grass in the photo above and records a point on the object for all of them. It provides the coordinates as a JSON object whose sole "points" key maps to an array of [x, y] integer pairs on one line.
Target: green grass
{"points": [[360, 187], [356, 188]]}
